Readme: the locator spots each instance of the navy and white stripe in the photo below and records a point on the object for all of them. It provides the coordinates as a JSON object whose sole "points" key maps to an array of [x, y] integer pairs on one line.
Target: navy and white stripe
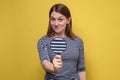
{"points": [[58, 45]]}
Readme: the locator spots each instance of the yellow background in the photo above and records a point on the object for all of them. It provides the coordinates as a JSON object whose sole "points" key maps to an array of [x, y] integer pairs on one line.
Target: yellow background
{"points": [[23, 22]]}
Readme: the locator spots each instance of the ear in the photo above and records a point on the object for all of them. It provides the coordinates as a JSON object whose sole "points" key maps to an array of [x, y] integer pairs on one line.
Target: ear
{"points": [[68, 20]]}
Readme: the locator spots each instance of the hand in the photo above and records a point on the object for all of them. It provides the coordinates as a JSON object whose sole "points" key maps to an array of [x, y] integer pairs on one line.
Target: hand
{"points": [[57, 63]]}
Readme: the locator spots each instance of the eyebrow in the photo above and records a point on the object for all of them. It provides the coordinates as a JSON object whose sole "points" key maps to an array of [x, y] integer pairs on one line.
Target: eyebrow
{"points": [[54, 17]]}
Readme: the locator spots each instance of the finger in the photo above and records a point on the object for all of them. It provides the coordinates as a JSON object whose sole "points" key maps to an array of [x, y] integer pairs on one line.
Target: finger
{"points": [[56, 64], [58, 60], [57, 67], [58, 57]]}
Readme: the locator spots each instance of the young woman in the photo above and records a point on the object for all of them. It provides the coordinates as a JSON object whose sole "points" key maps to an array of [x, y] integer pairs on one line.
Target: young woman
{"points": [[68, 65]]}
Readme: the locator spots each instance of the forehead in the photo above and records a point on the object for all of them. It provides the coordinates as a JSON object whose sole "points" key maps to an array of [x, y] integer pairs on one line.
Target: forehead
{"points": [[56, 15]]}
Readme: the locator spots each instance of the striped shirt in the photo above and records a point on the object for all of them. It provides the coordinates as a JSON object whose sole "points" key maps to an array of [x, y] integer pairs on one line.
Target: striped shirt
{"points": [[72, 52]]}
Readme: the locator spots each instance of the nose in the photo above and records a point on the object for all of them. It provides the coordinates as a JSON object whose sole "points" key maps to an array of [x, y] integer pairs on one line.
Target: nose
{"points": [[56, 23]]}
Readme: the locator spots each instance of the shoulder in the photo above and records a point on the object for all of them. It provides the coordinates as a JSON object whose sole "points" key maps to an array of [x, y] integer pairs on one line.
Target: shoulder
{"points": [[80, 42], [42, 40], [79, 39]]}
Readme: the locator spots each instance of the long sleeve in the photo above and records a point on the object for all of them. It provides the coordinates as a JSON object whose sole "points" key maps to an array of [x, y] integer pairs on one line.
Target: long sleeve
{"points": [[81, 64], [43, 50]]}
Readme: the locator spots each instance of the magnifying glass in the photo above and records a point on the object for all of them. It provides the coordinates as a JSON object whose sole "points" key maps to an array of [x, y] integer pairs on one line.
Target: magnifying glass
{"points": [[58, 45]]}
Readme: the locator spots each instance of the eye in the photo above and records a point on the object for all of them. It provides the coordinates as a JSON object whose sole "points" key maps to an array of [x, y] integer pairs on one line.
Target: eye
{"points": [[52, 19], [60, 19]]}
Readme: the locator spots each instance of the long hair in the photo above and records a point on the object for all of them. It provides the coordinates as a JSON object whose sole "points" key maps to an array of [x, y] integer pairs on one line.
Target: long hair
{"points": [[62, 9]]}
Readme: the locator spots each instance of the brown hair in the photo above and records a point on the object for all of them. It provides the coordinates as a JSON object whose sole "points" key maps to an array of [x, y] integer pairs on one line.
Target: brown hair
{"points": [[62, 9]]}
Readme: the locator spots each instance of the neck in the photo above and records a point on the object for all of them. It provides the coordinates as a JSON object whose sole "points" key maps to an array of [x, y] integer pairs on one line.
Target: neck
{"points": [[60, 35]]}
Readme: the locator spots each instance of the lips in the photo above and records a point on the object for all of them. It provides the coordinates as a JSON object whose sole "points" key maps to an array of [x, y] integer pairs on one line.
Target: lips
{"points": [[56, 28]]}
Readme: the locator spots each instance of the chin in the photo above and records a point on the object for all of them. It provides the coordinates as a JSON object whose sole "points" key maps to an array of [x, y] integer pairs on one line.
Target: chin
{"points": [[57, 31]]}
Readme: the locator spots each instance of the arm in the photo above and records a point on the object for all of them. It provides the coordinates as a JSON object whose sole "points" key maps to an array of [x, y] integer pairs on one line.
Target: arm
{"points": [[53, 67], [81, 62], [43, 54], [48, 66], [82, 75]]}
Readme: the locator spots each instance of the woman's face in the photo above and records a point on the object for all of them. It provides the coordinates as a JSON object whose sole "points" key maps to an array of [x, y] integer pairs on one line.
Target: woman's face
{"points": [[58, 22]]}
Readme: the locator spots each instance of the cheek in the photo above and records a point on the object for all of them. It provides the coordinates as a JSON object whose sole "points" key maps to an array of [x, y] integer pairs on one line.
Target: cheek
{"points": [[51, 23], [63, 23]]}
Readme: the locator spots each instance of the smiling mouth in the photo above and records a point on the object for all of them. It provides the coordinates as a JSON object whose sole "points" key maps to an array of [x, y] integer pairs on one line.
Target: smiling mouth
{"points": [[56, 27]]}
